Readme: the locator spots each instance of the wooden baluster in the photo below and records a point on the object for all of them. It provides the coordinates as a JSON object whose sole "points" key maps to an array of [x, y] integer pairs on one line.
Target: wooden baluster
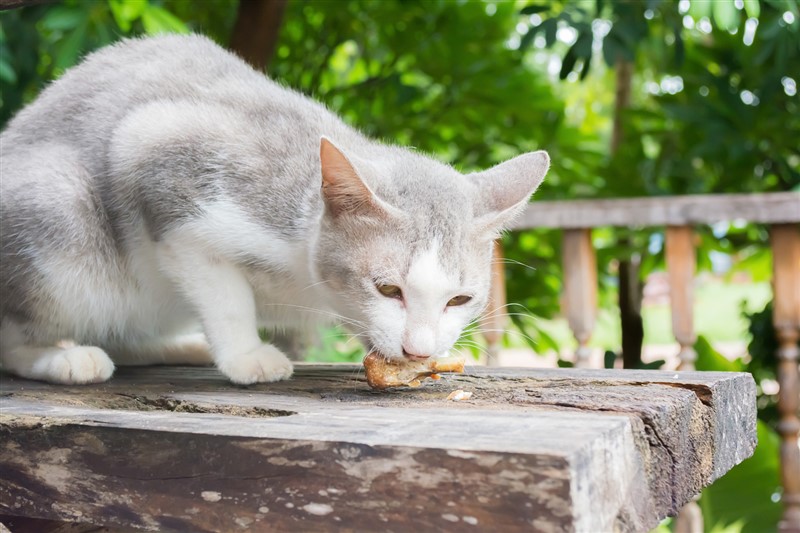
{"points": [[495, 319], [681, 260], [786, 317], [680, 254], [580, 289]]}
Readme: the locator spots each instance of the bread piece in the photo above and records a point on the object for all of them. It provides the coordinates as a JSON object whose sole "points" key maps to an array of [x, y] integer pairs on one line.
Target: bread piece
{"points": [[383, 373]]}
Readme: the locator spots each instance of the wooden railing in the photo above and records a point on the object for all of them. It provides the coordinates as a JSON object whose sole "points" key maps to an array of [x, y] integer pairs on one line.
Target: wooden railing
{"points": [[678, 214]]}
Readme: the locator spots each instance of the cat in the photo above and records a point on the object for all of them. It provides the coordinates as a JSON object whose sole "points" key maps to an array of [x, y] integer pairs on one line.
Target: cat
{"points": [[162, 200]]}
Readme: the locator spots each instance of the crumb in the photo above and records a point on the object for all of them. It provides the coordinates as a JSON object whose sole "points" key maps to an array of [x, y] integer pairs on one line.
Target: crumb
{"points": [[458, 395]]}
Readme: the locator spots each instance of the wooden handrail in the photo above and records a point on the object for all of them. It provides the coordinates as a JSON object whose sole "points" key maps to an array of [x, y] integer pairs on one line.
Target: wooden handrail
{"points": [[679, 214], [767, 208]]}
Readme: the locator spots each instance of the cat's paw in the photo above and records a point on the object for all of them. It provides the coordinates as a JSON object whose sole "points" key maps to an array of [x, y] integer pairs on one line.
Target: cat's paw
{"points": [[77, 365], [264, 364]]}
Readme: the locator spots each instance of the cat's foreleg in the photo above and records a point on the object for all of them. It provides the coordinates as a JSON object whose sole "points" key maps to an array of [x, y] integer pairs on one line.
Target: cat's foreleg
{"points": [[224, 301]]}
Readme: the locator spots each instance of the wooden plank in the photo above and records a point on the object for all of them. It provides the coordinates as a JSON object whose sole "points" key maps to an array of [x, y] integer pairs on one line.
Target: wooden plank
{"points": [[553, 450], [786, 317], [580, 289], [770, 208]]}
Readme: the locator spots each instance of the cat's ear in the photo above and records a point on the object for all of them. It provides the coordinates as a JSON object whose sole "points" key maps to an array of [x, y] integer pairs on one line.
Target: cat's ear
{"points": [[343, 189], [504, 189]]}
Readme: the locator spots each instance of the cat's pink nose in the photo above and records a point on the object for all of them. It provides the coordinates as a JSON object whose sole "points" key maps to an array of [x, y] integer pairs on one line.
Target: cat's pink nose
{"points": [[414, 356]]}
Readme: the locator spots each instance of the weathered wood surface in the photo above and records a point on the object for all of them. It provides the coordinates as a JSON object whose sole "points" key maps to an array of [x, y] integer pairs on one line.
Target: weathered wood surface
{"points": [[778, 207], [547, 450]]}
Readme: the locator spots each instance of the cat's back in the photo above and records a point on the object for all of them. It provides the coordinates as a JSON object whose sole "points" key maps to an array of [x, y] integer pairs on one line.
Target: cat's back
{"points": [[85, 105]]}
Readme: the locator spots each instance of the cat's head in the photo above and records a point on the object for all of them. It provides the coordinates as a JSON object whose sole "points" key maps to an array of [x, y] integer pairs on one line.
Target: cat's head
{"points": [[405, 242]]}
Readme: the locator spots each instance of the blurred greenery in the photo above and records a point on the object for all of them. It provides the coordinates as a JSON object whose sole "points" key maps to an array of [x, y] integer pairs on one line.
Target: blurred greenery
{"points": [[747, 498], [714, 109]]}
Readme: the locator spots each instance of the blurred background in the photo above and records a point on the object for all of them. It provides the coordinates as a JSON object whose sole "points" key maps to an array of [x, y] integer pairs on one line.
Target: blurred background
{"points": [[642, 98]]}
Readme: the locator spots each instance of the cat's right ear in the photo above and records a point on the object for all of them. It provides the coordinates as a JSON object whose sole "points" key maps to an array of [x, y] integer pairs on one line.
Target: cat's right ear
{"points": [[505, 188], [343, 189]]}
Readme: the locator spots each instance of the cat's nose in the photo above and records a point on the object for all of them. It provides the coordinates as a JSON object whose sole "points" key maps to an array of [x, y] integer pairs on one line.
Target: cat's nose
{"points": [[414, 356], [419, 342]]}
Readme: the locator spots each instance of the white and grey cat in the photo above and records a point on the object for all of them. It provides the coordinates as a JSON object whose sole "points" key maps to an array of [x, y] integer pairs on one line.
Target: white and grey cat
{"points": [[163, 188]]}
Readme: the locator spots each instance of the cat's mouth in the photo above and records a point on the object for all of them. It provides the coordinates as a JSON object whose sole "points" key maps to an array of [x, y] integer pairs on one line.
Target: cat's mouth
{"points": [[414, 357]]}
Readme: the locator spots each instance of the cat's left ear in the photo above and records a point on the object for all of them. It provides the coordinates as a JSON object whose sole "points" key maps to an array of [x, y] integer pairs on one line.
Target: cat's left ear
{"points": [[504, 189], [343, 188]]}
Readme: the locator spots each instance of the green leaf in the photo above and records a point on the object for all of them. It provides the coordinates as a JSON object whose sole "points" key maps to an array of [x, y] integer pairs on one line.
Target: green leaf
{"points": [[62, 18], [709, 359], [550, 27], [67, 54], [608, 359], [700, 8], [7, 73], [583, 45], [726, 15], [533, 9], [652, 365], [680, 49], [753, 8], [598, 9], [616, 48], [565, 364], [125, 12], [527, 39], [586, 67], [158, 20], [744, 496]]}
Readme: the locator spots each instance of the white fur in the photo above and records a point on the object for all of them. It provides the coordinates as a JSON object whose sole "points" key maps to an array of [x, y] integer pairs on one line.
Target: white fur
{"points": [[421, 321], [64, 364]]}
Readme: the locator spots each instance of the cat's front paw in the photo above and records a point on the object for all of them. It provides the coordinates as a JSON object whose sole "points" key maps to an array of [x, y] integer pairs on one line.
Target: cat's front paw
{"points": [[77, 365], [264, 364]]}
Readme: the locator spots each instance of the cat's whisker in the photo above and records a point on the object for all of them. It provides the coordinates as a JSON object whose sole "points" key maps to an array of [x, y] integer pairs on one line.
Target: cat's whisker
{"points": [[340, 318], [315, 284], [489, 313], [507, 261]]}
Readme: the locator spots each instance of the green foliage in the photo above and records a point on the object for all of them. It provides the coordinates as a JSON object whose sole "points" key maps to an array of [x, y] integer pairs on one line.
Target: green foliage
{"points": [[763, 349], [714, 105], [335, 346], [746, 498], [38, 43], [743, 500], [710, 359]]}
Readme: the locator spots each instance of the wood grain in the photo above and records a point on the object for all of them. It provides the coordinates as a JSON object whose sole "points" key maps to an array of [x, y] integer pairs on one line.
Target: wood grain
{"points": [[779, 207], [554, 450]]}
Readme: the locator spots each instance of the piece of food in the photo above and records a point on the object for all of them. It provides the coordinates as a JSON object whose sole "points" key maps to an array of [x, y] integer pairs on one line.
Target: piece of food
{"points": [[383, 373], [458, 395]]}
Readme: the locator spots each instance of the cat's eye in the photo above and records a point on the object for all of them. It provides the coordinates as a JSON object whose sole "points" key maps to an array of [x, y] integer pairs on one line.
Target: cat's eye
{"points": [[390, 291], [459, 300]]}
